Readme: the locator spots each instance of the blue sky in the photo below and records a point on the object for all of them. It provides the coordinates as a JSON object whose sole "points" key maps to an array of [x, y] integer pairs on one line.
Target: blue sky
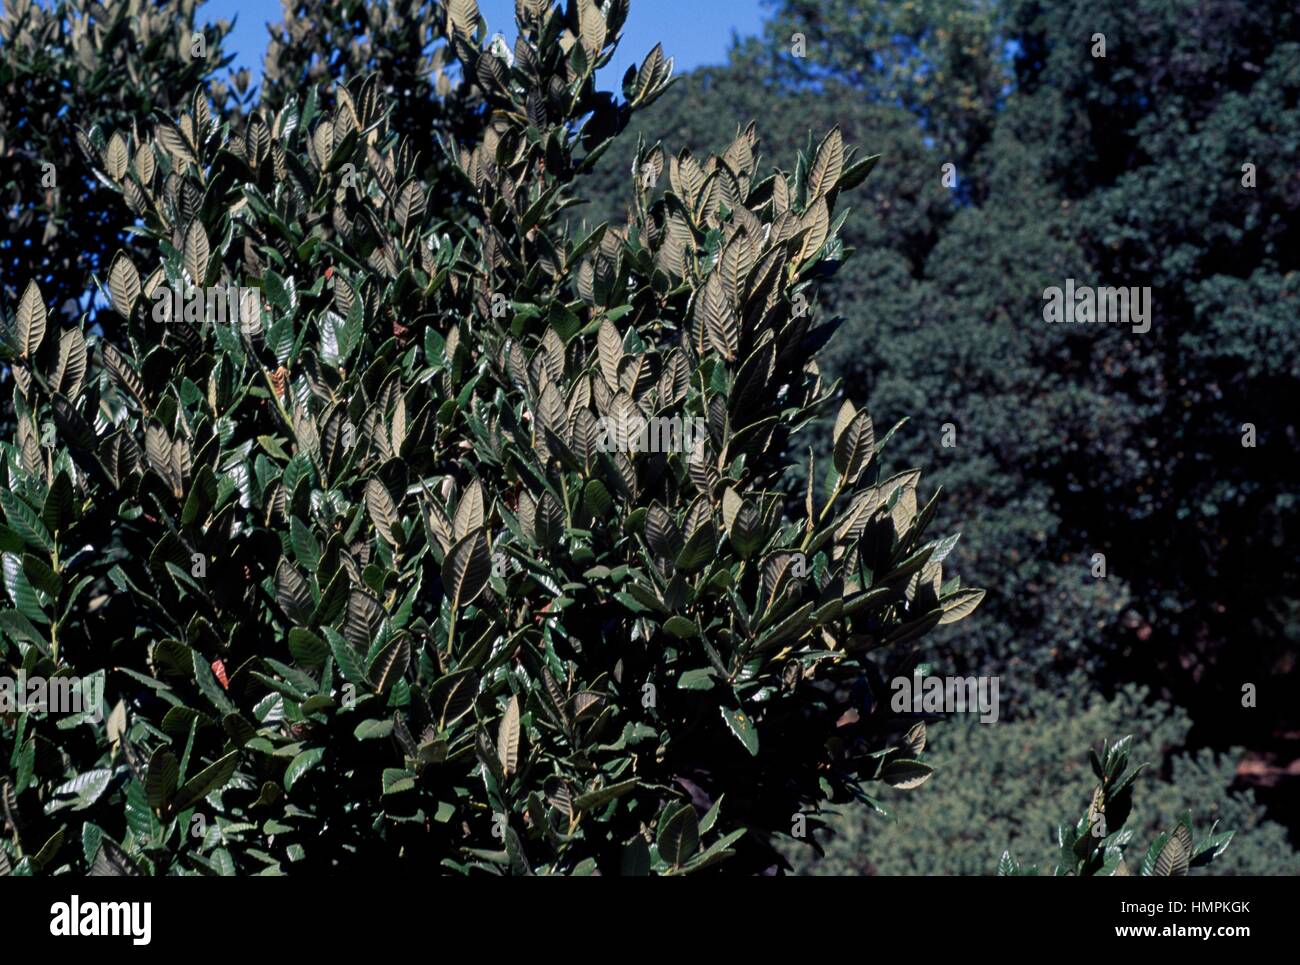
{"points": [[694, 32]]}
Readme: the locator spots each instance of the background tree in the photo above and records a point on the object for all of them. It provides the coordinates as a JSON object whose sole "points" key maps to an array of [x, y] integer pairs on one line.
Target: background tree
{"points": [[1176, 154], [1143, 167], [964, 820], [942, 61]]}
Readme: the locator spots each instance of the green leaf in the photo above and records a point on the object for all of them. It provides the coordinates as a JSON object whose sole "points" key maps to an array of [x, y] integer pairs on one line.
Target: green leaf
{"points": [[594, 799], [295, 471], [10, 542], [1148, 866], [60, 506], [300, 765], [396, 780], [203, 495], [856, 173], [273, 287], [305, 546], [208, 686], [50, 849], [349, 663], [742, 726], [699, 549], [681, 627], [333, 599], [212, 778], [960, 605], [82, 791], [373, 729], [91, 835], [720, 850], [161, 778], [679, 835], [307, 649], [25, 522], [701, 679], [905, 773], [41, 575], [24, 596], [597, 500]]}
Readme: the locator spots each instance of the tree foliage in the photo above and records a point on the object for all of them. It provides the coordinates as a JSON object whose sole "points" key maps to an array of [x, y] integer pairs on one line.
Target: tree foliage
{"points": [[77, 77], [1007, 788], [380, 572], [1169, 163]]}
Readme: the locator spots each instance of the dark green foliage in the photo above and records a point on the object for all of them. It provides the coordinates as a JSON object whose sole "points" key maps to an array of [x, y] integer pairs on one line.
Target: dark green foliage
{"points": [[321, 43], [1124, 170], [1007, 787], [366, 580], [76, 78], [941, 60], [1095, 844], [1161, 202]]}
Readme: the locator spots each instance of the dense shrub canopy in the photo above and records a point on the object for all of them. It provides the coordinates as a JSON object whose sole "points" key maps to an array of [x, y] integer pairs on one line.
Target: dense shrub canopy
{"points": [[382, 571]]}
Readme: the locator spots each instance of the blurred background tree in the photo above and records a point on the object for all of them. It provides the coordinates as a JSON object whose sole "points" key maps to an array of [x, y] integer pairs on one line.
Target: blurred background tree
{"points": [[942, 61], [1008, 787]]}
